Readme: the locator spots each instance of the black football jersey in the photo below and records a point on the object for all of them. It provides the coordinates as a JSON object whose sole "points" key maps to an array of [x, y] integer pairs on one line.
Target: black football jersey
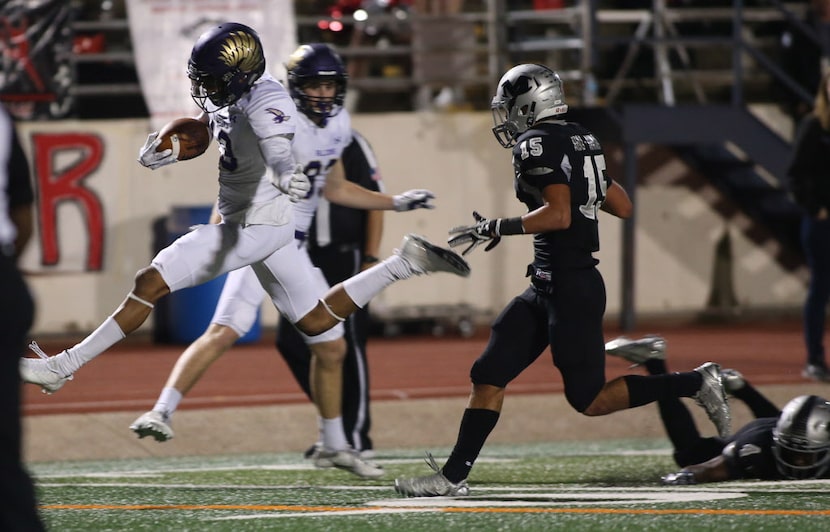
{"points": [[558, 152], [748, 452]]}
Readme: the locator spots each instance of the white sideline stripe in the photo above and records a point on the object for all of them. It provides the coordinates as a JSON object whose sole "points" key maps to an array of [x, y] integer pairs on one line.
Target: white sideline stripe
{"points": [[208, 486], [307, 466], [563, 496], [351, 487], [512, 499]]}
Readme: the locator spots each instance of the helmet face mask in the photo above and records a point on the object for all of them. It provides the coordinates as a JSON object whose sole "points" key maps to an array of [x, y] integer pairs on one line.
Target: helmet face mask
{"points": [[801, 438], [205, 87], [525, 94], [224, 64], [313, 68], [323, 105]]}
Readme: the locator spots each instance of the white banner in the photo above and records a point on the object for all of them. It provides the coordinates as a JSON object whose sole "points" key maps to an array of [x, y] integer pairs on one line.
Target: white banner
{"points": [[164, 31]]}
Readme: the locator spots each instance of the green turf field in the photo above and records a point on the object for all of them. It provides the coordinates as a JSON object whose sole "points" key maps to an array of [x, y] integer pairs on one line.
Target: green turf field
{"points": [[612, 485]]}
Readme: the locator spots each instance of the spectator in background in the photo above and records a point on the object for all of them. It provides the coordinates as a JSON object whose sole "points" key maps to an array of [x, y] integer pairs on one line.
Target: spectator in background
{"points": [[804, 58], [441, 56], [18, 507], [342, 242], [809, 179]]}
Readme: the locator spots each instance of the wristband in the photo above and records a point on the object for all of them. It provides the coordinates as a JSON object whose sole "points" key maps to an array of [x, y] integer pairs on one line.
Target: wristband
{"points": [[509, 226], [369, 259]]}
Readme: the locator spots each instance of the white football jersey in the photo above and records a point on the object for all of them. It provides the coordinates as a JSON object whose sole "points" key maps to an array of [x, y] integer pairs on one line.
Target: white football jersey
{"points": [[265, 111], [317, 149]]}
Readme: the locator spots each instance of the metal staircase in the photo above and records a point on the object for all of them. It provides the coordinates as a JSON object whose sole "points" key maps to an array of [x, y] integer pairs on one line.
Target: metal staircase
{"points": [[738, 153], [765, 201]]}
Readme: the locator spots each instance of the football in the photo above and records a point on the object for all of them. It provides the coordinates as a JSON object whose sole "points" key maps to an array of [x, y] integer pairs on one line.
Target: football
{"points": [[187, 137]]}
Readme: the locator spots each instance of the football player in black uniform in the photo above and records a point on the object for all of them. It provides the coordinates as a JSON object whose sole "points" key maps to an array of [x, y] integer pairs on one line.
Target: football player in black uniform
{"points": [[777, 445], [560, 175]]}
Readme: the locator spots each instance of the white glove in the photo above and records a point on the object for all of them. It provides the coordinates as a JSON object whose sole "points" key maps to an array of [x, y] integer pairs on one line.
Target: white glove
{"points": [[152, 159], [296, 184], [413, 199]]}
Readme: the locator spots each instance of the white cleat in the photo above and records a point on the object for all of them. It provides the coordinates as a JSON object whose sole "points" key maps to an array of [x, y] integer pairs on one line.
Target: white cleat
{"points": [[712, 397], [40, 371], [348, 460], [153, 424], [425, 257]]}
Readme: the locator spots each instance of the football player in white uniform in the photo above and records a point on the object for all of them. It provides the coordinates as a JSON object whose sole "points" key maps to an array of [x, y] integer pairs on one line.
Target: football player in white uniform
{"points": [[317, 82], [253, 119]]}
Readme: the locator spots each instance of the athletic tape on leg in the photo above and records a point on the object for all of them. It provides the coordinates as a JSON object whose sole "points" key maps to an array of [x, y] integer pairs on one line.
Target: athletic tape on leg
{"points": [[331, 312], [142, 301]]}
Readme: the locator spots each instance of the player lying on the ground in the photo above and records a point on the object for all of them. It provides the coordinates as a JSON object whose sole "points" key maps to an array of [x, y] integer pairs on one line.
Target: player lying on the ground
{"points": [[793, 443]]}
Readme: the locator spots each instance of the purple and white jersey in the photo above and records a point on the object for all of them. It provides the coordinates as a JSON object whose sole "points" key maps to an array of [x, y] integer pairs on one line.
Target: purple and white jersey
{"points": [[318, 149], [245, 187]]}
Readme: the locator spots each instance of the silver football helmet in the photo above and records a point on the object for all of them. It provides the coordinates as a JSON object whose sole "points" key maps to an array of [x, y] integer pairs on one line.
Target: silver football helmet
{"points": [[801, 438], [525, 94]]}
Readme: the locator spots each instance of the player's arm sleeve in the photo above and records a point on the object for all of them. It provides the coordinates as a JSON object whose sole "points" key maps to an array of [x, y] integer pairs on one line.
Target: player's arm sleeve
{"points": [[277, 153], [273, 117], [734, 466]]}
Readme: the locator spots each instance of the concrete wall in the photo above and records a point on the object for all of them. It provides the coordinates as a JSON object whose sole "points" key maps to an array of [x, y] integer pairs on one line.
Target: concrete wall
{"points": [[456, 156]]}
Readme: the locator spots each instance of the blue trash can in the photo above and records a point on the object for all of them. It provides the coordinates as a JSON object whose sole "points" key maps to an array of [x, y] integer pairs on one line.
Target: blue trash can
{"points": [[189, 310]]}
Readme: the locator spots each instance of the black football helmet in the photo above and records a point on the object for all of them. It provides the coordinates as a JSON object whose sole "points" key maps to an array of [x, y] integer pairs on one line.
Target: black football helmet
{"points": [[314, 63], [801, 438], [224, 64], [526, 93]]}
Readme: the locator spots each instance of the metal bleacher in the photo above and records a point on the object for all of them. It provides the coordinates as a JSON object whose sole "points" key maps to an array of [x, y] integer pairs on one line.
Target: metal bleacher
{"points": [[613, 56]]}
